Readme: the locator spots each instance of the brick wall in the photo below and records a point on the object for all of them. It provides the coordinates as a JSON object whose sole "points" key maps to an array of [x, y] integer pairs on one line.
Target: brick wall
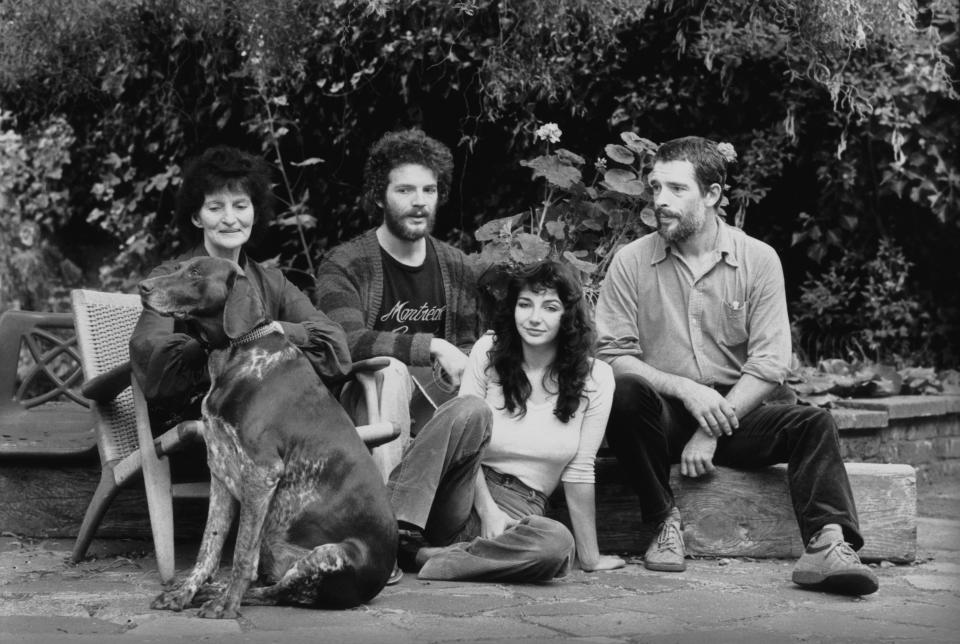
{"points": [[923, 431]]}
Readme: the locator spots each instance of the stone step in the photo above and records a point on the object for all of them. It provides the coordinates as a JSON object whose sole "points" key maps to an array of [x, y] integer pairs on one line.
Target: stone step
{"points": [[732, 513], [47, 499], [735, 513]]}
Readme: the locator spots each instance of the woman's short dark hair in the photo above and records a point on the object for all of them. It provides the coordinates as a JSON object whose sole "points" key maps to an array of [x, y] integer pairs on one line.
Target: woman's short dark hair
{"points": [[709, 166], [575, 339], [215, 169], [399, 148]]}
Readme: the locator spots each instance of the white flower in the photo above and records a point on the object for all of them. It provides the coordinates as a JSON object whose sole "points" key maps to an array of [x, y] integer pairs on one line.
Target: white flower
{"points": [[548, 132], [727, 151]]}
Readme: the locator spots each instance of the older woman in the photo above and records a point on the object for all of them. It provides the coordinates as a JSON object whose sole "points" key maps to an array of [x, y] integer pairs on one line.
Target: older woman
{"points": [[224, 199]]}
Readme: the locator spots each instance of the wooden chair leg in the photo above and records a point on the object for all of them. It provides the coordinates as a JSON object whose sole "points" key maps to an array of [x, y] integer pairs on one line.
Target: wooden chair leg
{"points": [[387, 398], [156, 481], [104, 495]]}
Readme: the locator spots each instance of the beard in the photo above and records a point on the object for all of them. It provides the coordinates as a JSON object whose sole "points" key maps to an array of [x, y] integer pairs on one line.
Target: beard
{"points": [[686, 225], [399, 226]]}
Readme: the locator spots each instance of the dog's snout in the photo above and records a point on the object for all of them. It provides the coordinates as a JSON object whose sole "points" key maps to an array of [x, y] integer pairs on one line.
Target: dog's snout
{"points": [[145, 288]]}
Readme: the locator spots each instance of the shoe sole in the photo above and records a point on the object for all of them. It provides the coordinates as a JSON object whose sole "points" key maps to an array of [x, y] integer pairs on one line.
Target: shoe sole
{"points": [[665, 567], [843, 582], [395, 577]]}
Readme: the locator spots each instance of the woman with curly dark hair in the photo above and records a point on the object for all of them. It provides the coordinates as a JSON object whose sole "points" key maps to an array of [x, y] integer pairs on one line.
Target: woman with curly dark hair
{"points": [[547, 401]]}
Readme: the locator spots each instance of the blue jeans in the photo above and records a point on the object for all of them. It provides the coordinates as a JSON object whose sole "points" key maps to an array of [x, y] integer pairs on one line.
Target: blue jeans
{"points": [[648, 432], [433, 489]]}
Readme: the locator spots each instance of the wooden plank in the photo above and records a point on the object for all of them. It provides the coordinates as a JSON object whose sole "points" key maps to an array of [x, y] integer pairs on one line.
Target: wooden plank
{"points": [[737, 513], [748, 514], [48, 500]]}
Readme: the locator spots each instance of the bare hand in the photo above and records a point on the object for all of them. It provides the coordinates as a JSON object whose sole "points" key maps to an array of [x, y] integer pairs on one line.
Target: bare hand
{"points": [[713, 413], [451, 359], [697, 456], [603, 562], [494, 523]]}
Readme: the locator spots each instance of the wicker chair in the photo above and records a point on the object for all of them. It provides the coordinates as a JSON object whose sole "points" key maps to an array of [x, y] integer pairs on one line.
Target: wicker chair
{"points": [[105, 322]]}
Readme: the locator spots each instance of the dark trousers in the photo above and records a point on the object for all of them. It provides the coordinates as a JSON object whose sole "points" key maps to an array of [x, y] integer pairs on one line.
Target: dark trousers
{"points": [[648, 431]]}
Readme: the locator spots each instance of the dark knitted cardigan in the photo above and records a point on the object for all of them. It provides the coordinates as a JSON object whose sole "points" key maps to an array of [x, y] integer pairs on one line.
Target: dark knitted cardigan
{"points": [[350, 291]]}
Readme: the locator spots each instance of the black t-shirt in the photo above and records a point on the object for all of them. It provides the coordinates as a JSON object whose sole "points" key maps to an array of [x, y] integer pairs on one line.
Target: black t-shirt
{"points": [[413, 296]]}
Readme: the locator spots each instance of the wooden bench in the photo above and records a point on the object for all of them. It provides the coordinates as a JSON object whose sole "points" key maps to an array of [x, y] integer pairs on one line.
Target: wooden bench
{"points": [[735, 513], [42, 413]]}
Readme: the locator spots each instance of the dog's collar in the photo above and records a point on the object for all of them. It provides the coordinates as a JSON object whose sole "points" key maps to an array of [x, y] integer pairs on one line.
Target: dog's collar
{"points": [[256, 334]]}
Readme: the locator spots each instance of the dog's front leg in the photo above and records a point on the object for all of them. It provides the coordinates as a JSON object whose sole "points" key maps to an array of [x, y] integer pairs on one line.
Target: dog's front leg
{"points": [[220, 515], [256, 494]]}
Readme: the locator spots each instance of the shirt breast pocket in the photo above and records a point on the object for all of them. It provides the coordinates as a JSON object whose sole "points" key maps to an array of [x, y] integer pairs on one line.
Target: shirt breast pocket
{"points": [[733, 323]]}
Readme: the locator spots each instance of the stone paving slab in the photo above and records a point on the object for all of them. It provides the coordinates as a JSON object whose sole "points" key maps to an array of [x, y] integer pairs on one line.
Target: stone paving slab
{"points": [[106, 600]]}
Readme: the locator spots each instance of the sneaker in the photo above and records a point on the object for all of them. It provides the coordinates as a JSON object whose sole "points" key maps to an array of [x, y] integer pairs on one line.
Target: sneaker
{"points": [[396, 575], [834, 567], [665, 553]]}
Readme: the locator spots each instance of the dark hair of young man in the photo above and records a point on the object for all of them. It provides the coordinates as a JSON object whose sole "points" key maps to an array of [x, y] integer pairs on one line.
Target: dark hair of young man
{"points": [[709, 166], [398, 148]]}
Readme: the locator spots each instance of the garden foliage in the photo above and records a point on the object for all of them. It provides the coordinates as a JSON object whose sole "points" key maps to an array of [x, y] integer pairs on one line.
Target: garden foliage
{"points": [[839, 110]]}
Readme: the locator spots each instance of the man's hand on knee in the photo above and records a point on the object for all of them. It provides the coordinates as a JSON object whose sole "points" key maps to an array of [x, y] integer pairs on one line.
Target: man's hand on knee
{"points": [[713, 413], [697, 457]]}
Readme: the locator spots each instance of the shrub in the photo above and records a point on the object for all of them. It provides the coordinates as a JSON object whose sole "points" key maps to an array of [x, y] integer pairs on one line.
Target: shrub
{"points": [[861, 308]]}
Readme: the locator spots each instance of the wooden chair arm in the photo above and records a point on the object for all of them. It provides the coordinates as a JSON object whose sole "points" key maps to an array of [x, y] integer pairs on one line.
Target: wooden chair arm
{"points": [[109, 384], [369, 365], [175, 438], [378, 433]]}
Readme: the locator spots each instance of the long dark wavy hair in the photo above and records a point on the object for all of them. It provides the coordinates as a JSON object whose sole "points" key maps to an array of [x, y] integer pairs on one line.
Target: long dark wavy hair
{"points": [[575, 339]]}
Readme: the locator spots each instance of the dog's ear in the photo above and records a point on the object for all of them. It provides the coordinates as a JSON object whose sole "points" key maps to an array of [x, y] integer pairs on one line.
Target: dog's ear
{"points": [[243, 310]]}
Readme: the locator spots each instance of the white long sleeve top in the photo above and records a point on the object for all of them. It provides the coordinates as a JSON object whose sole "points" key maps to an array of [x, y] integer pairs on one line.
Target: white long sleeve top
{"points": [[537, 448]]}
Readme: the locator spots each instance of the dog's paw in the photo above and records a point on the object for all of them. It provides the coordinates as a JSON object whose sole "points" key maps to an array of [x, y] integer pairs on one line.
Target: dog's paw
{"points": [[175, 600], [207, 592], [218, 609]]}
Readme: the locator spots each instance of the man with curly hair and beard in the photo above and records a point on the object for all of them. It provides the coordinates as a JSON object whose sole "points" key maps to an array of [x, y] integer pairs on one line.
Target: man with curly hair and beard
{"points": [[397, 291], [693, 320]]}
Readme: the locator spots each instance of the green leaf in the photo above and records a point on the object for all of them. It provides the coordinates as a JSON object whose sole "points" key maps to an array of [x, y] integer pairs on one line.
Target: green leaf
{"points": [[498, 228], [529, 248], [649, 217], [558, 173], [637, 143], [619, 153], [495, 253], [307, 221], [817, 252], [592, 224], [586, 267], [306, 162], [623, 181], [567, 156]]}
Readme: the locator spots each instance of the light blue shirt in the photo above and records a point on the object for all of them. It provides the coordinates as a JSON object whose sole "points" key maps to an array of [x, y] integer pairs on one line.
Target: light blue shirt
{"points": [[710, 328]]}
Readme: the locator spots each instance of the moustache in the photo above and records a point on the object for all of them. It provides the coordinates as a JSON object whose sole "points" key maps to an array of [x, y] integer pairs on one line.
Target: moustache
{"points": [[660, 212]]}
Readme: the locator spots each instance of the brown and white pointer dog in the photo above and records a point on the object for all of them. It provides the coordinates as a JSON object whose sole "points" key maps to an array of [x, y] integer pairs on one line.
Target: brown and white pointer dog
{"points": [[313, 507]]}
